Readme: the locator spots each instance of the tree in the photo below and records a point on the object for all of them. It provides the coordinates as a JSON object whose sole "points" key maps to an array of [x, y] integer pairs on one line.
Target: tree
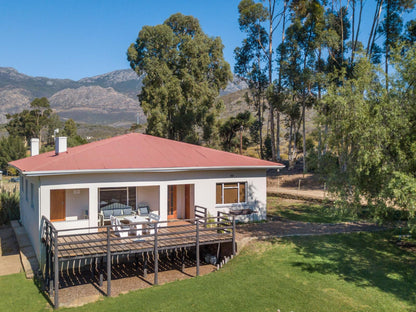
{"points": [[230, 128], [70, 131], [11, 148], [391, 27], [259, 21], [372, 135], [185, 70], [29, 123], [250, 56]]}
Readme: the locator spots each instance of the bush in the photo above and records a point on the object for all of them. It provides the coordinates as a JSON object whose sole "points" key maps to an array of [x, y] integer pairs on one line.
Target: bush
{"points": [[9, 207]]}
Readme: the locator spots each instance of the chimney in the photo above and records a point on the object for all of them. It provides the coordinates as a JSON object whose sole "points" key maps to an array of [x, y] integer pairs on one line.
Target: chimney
{"points": [[60, 145], [34, 147]]}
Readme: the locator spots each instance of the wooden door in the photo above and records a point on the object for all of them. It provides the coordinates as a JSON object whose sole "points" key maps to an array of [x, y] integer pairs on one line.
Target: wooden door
{"points": [[172, 202], [57, 205], [187, 201]]}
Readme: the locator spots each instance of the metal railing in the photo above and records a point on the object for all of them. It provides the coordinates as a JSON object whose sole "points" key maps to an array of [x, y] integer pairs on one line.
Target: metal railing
{"points": [[106, 242]]}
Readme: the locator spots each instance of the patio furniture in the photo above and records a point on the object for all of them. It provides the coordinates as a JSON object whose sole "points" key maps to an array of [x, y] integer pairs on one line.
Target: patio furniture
{"points": [[117, 210], [136, 229], [118, 228], [143, 210], [154, 221]]}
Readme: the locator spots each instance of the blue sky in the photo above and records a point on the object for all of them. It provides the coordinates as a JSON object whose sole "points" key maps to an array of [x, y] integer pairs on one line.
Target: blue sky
{"points": [[79, 38]]}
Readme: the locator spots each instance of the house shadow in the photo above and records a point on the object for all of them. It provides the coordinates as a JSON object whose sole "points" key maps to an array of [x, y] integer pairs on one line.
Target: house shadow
{"points": [[365, 259], [124, 267], [8, 241]]}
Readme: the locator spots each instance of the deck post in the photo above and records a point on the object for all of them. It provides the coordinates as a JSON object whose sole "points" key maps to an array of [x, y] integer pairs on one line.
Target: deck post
{"points": [[145, 265], [183, 259], [197, 248], [56, 271], [108, 263], [100, 269], [234, 249], [156, 255]]}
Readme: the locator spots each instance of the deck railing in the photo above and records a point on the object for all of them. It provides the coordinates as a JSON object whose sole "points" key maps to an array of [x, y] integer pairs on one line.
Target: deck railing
{"points": [[104, 242]]}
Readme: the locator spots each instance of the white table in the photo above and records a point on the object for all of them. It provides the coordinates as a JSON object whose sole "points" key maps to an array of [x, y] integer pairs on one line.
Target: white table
{"points": [[138, 227]]}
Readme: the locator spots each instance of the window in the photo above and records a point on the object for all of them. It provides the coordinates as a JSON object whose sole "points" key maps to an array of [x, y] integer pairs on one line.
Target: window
{"points": [[26, 190], [32, 196], [231, 193], [123, 195]]}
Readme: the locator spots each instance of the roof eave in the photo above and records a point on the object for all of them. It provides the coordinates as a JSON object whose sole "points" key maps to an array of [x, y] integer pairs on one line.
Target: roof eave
{"points": [[142, 170]]}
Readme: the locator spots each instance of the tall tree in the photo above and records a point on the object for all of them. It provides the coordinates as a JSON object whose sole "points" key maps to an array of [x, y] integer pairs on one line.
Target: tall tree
{"points": [[303, 37], [260, 20], [250, 57], [391, 27], [185, 70], [30, 123]]}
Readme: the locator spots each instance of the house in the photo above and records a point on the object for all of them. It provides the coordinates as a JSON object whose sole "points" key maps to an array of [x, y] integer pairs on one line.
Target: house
{"points": [[71, 186]]}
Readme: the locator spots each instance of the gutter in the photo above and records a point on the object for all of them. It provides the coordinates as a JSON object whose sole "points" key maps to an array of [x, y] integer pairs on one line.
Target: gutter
{"points": [[140, 170]]}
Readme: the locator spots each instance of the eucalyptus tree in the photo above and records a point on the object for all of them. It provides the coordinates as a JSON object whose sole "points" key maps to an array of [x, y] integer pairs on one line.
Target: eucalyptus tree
{"points": [[250, 57], [260, 19], [391, 27], [185, 70], [303, 37]]}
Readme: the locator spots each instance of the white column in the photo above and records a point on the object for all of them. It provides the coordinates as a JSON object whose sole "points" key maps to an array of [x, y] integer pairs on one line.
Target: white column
{"points": [[163, 201], [93, 206]]}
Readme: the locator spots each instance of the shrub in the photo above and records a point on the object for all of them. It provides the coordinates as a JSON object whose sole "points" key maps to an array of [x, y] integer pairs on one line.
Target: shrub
{"points": [[9, 207]]}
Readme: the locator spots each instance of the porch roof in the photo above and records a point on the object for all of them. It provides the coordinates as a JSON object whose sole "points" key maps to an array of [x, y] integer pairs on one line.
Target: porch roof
{"points": [[135, 152]]}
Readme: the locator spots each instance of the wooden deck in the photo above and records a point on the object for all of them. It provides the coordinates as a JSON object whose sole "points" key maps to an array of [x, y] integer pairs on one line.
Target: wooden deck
{"points": [[104, 243], [172, 236]]}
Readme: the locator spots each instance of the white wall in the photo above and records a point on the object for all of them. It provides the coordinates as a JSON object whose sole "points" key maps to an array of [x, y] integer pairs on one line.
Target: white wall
{"points": [[77, 203], [29, 211], [203, 193], [149, 195]]}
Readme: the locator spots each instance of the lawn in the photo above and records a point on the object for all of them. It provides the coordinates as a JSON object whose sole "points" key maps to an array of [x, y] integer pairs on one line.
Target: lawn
{"points": [[306, 211], [345, 272]]}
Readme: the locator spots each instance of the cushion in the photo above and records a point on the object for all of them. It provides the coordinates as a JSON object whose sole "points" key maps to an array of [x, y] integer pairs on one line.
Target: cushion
{"points": [[107, 213], [117, 212], [144, 210], [127, 211]]}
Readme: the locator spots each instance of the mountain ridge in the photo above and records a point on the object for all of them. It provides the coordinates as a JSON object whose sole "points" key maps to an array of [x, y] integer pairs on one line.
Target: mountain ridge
{"points": [[109, 98]]}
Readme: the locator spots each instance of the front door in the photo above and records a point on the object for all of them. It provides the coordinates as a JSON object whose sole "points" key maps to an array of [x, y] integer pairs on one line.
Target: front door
{"points": [[57, 205], [172, 202]]}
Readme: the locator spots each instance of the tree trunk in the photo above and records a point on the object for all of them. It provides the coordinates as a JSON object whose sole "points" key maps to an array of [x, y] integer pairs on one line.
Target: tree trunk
{"points": [[260, 114], [304, 136], [270, 52]]}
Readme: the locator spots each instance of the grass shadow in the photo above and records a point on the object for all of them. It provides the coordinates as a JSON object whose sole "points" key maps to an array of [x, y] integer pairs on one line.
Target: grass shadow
{"points": [[365, 259]]}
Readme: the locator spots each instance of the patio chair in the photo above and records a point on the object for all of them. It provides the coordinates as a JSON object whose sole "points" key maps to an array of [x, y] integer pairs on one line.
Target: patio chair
{"points": [[118, 227], [154, 220]]}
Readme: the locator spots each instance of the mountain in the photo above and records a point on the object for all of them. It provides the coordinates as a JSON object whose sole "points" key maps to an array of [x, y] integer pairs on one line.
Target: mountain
{"points": [[109, 99]]}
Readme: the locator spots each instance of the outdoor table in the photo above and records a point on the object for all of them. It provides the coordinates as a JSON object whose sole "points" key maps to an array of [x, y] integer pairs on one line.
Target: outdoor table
{"points": [[138, 227]]}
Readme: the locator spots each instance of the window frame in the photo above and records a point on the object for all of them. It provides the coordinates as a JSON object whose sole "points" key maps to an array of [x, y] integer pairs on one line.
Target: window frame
{"points": [[32, 195], [129, 195], [224, 187]]}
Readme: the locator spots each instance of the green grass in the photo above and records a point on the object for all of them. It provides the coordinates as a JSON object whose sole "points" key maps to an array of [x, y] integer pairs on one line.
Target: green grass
{"points": [[20, 294], [306, 211], [345, 272]]}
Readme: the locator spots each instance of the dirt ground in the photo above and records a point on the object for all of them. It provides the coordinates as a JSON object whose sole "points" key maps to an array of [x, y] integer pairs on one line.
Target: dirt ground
{"points": [[297, 186]]}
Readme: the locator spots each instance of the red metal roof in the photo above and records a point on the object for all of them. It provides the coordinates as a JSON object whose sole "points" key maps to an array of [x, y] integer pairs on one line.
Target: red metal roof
{"points": [[136, 151]]}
